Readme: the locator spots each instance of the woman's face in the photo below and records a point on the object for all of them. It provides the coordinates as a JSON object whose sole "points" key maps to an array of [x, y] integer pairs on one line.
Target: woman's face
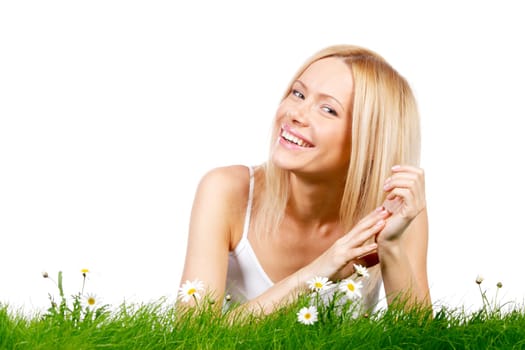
{"points": [[313, 122]]}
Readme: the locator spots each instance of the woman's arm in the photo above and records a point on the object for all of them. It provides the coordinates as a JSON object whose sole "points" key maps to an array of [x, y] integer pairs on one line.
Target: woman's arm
{"points": [[220, 204], [404, 264], [209, 238], [403, 244]]}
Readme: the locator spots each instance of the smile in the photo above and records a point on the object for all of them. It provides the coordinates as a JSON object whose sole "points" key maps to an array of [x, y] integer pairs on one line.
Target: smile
{"points": [[295, 140]]}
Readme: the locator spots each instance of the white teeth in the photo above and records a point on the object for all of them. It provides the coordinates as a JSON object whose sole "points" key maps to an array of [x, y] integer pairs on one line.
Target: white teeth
{"points": [[289, 137]]}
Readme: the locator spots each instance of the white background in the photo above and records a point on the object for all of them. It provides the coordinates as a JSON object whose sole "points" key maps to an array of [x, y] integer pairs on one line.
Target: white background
{"points": [[111, 111]]}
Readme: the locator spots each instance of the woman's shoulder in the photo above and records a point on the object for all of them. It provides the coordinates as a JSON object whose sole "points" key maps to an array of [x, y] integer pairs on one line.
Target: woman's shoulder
{"points": [[223, 194], [230, 176], [230, 182]]}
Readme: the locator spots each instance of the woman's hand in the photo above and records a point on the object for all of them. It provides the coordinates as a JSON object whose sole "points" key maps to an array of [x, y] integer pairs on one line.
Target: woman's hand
{"points": [[337, 261], [405, 200]]}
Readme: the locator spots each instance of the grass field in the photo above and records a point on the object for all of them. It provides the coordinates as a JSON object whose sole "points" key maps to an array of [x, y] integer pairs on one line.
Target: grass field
{"points": [[156, 326], [76, 322]]}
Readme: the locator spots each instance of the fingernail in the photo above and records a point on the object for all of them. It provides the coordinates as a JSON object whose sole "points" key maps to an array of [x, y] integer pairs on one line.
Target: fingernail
{"points": [[380, 209], [395, 167]]}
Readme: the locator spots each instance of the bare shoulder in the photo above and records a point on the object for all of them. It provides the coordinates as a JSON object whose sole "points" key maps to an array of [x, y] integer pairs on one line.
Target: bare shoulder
{"points": [[223, 192], [229, 182]]}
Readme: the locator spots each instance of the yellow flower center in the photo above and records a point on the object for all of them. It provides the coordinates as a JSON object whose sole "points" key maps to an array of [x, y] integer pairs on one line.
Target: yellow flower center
{"points": [[91, 301], [191, 291], [307, 316], [318, 285], [84, 270], [350, 287]]}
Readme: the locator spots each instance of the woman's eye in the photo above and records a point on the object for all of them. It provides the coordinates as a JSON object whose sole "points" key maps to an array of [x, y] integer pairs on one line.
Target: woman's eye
{"points": [[329, 110], [298, 94]]}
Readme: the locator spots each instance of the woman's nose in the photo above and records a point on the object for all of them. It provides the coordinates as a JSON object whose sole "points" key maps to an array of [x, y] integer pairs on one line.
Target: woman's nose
{"points": [[298, 117]]}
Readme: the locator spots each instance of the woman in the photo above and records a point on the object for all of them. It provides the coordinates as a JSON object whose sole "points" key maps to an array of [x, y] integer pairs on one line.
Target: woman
{"points": [[341, 186]]}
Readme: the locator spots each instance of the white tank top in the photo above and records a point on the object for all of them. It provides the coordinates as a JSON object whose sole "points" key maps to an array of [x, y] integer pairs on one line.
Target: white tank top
{"points": [[246, 278]]}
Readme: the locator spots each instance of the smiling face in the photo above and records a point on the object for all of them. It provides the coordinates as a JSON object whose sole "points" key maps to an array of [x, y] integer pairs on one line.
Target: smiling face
{"points": [[313, 121]]}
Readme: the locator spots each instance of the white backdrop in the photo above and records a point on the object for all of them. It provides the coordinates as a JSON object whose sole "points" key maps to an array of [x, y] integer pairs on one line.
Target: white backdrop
{"points": [[111, 111]]}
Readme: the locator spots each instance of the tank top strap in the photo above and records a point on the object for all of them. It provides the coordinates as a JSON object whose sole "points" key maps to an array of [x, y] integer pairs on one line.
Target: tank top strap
{"points": [[247, 217]]}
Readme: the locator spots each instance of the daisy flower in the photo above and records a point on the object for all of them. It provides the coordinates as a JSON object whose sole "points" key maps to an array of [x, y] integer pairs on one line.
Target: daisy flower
{"points": [[191, 289], [479, 279], [319, 283], [307, 315], [361, 271], [351, 288], [90, 300]]}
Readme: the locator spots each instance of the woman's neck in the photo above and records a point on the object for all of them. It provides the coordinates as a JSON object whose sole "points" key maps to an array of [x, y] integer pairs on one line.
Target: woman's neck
{"points": [[314, 203]]}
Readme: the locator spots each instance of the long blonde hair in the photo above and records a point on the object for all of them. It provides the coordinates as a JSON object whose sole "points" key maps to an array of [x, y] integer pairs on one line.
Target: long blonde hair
{"points": [[384, 131]]}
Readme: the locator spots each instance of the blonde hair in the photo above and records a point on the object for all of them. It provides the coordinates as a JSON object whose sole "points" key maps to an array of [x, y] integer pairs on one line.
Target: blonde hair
{"points": [[385, 131]]}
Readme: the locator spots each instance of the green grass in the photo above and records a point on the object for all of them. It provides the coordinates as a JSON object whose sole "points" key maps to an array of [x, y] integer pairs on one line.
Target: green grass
{"points": [[162, 326], [71, 323]]}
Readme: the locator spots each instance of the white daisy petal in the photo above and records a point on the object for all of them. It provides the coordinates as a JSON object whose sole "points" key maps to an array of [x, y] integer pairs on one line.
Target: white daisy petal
{"points": [[191, 289], [361, 271], [90, 300], [319, 283], [307, 315], [351, 288]]}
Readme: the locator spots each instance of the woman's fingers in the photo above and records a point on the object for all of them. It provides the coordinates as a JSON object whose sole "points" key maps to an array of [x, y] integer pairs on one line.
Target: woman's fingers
{"points": [[405, 193], [370, 225], [408, 184], [364, 250], [393, 205], [404, 180], [405, 199], [408, 168], [400, 182], [406, 177], [357, 243], [406, 202]]}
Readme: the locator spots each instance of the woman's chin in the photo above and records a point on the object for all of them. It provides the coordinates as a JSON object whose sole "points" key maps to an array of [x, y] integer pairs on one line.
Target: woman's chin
{"points": [[283, 161]]}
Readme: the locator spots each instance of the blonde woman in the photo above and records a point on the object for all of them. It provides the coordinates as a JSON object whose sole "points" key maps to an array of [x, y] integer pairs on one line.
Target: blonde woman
{"points": [[341, 186]]}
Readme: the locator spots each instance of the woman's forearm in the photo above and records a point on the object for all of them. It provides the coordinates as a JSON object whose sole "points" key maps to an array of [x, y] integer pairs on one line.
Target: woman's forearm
{"points": [[399, 278], [280, 294]]}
